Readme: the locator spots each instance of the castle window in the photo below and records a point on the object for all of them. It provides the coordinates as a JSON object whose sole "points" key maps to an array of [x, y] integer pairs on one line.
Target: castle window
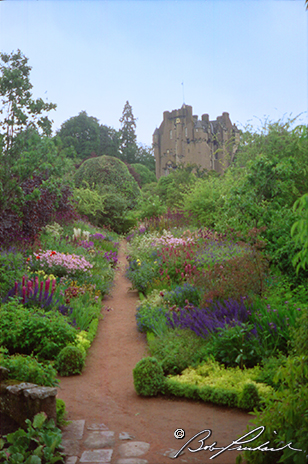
{"points": [[171, 135], [185, 131]]}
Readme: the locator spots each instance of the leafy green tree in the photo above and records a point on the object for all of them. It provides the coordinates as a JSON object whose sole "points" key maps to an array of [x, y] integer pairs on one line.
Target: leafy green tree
{"points": [[109, 141], [128, 147], [81, 132], [30, 164], [145, 156], [20, 110]]}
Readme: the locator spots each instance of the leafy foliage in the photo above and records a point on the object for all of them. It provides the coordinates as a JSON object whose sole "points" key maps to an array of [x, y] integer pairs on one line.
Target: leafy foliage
{"points": [[211, 382], [12, 268], [15, 89], [146, 176], [26, 331], [178, 349], [299, 232], [28, 369], [70, 361], [81, 132], [284, 416], [110, 178], [40, 443], [148, 377]]}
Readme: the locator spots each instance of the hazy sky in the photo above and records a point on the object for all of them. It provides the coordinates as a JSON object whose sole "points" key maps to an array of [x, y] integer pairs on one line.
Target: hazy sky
{"points": [[248, 58]]}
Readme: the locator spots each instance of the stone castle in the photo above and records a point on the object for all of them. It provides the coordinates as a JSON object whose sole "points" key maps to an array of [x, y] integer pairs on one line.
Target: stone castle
{"points": [[183, 138]]}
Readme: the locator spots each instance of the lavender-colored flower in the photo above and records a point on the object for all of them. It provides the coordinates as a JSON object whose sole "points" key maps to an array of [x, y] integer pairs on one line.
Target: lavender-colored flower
{"points": [[205, 320]]}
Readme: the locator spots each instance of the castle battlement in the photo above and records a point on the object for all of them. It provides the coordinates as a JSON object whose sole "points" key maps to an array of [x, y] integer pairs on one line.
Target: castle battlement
{"points": [[183, 138]]}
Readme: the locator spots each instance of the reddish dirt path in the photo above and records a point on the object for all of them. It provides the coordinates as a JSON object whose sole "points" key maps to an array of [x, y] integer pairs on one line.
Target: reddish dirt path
{"points": [[104, 393]]}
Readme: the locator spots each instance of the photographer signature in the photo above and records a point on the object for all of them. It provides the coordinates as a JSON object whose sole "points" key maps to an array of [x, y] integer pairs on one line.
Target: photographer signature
{"points": [[234, 446]]}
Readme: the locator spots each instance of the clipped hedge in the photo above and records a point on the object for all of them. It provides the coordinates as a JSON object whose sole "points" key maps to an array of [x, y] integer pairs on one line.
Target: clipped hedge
{"points": [[211, 382]]}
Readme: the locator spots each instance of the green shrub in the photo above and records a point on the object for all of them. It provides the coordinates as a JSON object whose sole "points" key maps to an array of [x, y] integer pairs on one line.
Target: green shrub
{"points": [[29, 369], [109, 172], [145, 174], [89, 202], [284, 416], [70, 361], [61, 413], [40, 443], [12, 268], [27, 330], [300, 334], [148, 377], [150, 207], [269, 369], [249, 397], [236, 346], [178, 349]]}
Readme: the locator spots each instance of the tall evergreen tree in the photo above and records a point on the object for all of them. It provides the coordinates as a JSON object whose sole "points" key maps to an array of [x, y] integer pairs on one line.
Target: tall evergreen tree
{"points": [[128, 147]]}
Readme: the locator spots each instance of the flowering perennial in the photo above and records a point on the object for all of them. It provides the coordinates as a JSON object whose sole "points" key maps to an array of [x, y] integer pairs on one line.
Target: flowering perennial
{"points": [[62, 263]]}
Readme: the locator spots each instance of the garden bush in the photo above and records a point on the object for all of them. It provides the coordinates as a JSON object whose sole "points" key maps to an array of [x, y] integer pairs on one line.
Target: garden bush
{"points": [[108, 171], [146, 176], [178, 349], [148, 377], [142, 274], [12, 268], [70, 361], [29, 369], [284, 416], [61, 413], [30, 331], [249, 397]]}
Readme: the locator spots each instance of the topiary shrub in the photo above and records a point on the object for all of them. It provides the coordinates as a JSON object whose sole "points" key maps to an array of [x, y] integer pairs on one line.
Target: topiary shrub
{"points": [[148, 377], [105, 171], [249, 397], [70, 361]]}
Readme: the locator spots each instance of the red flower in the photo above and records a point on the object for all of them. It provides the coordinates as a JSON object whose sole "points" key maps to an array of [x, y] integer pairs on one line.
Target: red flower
{"points": [[37, 257]]}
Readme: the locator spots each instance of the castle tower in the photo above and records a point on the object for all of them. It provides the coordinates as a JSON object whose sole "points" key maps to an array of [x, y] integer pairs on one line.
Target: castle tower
{"points": [[183, 138]]}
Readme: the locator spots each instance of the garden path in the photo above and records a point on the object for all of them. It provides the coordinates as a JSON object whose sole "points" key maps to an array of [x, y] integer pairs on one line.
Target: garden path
{"points": [[104, 394]]}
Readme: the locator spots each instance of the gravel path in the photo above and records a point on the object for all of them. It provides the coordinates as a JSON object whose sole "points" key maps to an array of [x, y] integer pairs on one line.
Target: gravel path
{"points": [[103, 404]]}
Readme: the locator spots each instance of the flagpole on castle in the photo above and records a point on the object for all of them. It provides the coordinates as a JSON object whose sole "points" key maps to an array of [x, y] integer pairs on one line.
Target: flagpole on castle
{"points": [[183, 93]]}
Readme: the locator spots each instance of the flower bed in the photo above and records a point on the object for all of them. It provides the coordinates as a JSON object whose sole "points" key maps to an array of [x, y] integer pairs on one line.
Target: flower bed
{"points": [[57, 301], [216, 293]]}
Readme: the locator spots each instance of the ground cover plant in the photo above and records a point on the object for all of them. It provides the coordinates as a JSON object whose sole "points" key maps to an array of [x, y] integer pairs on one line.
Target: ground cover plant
{"points": [[40, 443]]}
